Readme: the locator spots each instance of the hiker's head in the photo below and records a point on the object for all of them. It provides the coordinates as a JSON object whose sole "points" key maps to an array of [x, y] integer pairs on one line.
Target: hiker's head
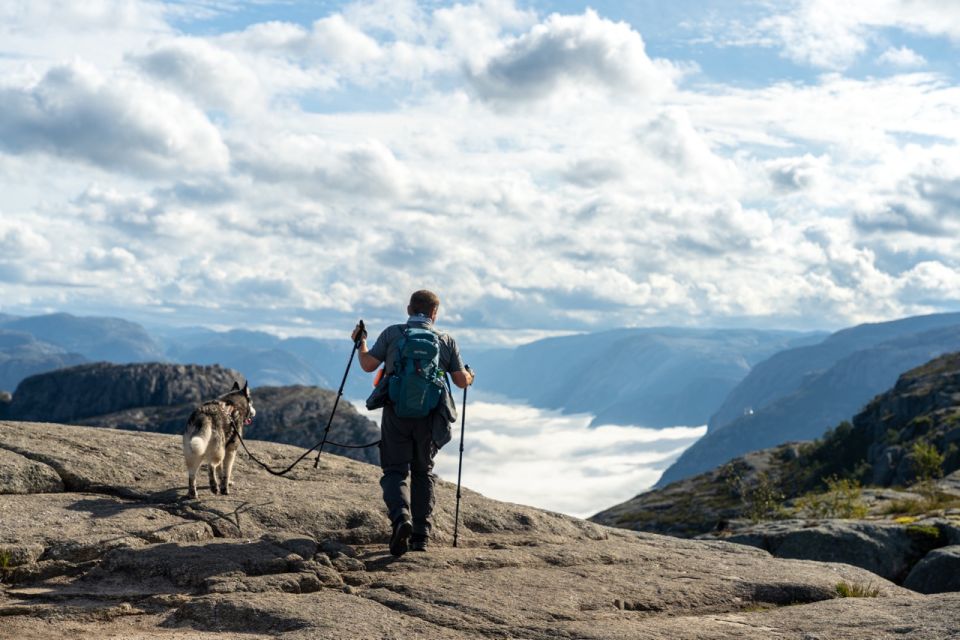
{"points": [[424, 303]]}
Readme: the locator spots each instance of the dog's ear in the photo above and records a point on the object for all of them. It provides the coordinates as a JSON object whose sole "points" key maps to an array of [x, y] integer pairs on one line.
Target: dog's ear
{"points": [[236, 386], [246, 389]]}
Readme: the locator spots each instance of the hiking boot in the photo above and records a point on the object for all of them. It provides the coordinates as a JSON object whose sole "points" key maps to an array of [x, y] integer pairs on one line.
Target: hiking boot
{"points": [[401, 533], [418, 543]]}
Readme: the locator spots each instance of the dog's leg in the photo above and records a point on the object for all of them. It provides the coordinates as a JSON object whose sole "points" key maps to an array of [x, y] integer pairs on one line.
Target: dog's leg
{"points": [[193, 463], [214, 485], [192, 481], [227, 467]]}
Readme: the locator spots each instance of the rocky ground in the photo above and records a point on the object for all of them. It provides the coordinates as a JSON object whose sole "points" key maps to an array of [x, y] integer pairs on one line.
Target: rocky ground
{"points": [[97, 540]]}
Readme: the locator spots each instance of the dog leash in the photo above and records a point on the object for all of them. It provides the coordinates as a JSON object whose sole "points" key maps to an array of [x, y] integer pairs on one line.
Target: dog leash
{"points": [[269, 469], [326, 432]]}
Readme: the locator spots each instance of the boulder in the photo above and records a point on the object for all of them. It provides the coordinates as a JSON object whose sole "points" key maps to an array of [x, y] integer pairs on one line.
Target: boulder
{"points": [[938, 572]]}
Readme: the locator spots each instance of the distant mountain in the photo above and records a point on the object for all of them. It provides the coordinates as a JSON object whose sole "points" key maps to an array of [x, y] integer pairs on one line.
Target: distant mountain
{"points": [[655, 377], [785, 372], [267, 360], [160, 397], [22, 355], [799, 394], [109, 339]]}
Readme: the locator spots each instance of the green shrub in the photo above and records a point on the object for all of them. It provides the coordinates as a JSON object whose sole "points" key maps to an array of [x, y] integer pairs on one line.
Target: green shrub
{"points": [[927, 461], [842, 499], [848, 590], [763, 500]]}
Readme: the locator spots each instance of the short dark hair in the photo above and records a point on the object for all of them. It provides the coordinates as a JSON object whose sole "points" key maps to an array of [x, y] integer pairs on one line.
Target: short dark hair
{"points": [[424, 302]]}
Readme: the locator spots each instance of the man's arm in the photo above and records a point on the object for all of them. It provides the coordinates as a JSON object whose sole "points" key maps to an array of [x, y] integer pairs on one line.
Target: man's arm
{"points": [[368, 362]]}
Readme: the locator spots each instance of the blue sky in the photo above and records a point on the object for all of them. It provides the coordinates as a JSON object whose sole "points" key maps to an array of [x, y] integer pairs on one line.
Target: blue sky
{"points": [[547, 167]]}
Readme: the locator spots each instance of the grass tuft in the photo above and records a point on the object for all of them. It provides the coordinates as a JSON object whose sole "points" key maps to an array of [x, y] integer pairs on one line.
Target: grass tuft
{"points": [[848, 590]]}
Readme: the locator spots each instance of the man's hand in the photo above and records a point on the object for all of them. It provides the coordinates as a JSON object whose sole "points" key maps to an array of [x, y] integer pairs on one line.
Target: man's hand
{"points": [[473, 375], [359, 333], [463, 378]]}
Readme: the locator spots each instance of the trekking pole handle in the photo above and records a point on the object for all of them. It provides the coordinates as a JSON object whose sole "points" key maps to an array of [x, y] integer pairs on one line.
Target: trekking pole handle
{"points": [[361, 332]]}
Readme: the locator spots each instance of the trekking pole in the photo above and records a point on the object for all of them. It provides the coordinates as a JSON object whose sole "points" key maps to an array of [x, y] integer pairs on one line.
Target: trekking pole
{"points": [[463, 425], [356, 345]]}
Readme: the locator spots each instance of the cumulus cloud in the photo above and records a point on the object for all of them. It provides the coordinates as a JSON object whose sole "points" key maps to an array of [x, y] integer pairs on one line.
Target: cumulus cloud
{"points": [[902, 58], [203, 72], [567, 50], [113, 259], [355, 163], [320, 167], [833, 35], [117, 123], [796, 173]]}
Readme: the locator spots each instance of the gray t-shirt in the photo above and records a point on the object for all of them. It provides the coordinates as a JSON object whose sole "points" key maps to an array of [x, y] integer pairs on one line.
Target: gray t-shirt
{"points": [[450, 360]]}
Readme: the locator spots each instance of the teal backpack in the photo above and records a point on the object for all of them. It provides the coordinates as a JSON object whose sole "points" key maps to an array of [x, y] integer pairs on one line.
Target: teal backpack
{"points": [[416, 384]]}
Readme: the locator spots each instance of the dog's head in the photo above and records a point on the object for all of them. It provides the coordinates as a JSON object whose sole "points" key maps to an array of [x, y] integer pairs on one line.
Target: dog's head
{"points": [[246, 402]]}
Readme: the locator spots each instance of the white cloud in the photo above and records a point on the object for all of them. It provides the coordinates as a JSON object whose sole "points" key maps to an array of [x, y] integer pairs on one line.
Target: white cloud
{"points": [[902, 58], [570, 51], [113, 259], [792, 174], [117, 123], [355, 163], [833, 35], [203, 72]]}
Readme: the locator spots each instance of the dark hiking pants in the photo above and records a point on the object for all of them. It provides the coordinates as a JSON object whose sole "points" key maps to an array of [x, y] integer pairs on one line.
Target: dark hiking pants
{"points": [[406, 455]]}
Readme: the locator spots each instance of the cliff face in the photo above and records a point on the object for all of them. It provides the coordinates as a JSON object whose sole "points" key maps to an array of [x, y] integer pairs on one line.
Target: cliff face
{"points": [[97, 389], [160, 397], [802, 401], [97, 541]]}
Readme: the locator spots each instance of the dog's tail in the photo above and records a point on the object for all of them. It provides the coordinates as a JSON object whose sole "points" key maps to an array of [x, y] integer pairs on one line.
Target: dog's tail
{"points": [[197, 435]]}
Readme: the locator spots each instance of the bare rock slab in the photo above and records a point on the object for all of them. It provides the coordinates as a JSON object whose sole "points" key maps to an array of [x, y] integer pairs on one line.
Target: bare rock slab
{"points": [[120, 553], [22, 475]]}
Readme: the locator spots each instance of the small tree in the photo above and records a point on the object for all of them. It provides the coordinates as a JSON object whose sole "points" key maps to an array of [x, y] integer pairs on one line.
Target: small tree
{"points": [[763, 500], [927, 461], [842, 499], [928, 465]]}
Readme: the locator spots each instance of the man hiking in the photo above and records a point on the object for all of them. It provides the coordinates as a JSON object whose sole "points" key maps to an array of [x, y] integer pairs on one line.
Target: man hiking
{"points": [[417, 411]]}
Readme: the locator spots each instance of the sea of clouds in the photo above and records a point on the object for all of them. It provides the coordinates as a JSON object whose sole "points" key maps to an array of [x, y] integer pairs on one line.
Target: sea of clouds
{"points": [[547, 459]]}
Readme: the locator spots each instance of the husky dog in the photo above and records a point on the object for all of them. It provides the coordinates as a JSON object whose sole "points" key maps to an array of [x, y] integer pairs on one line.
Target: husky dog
{"points": [[211, 437]]}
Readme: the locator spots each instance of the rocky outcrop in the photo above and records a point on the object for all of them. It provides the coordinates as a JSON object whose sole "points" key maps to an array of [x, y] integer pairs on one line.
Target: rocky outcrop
{"points": [[887, 549], [119, 553], [160, 397], [101, 388], [879, 448]]}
